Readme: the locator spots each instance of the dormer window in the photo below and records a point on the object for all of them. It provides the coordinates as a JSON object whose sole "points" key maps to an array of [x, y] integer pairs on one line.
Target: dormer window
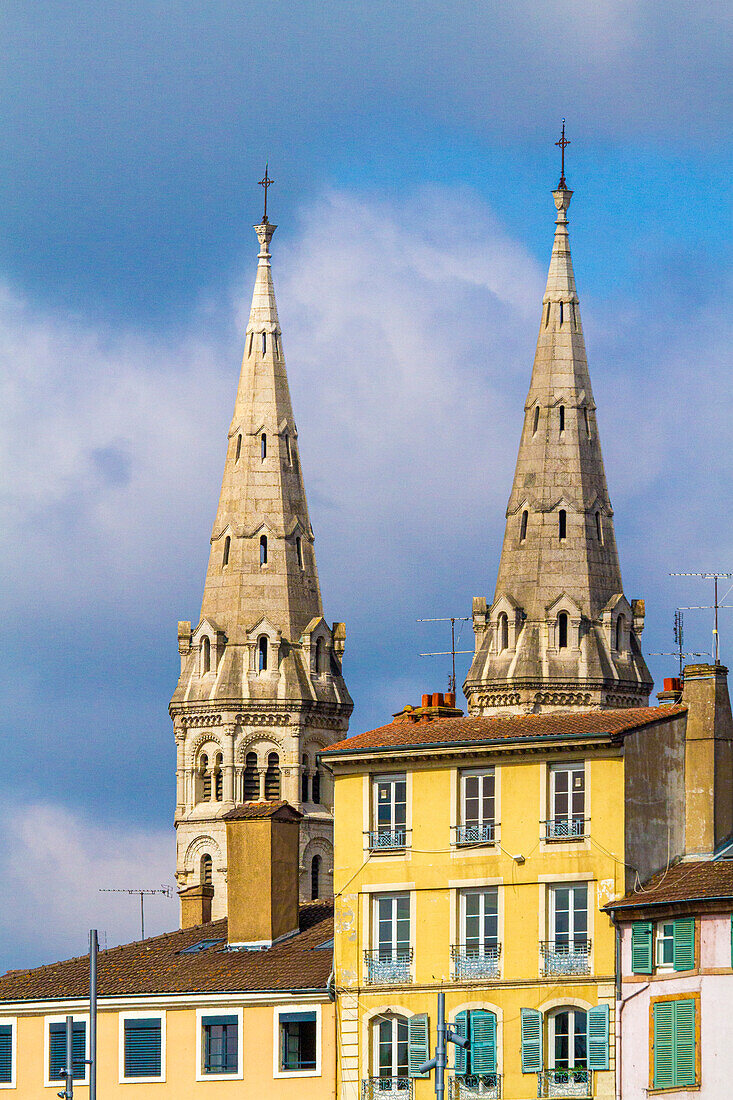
{"points": [[225, 552], [320, 657], [205, 655], [562, 418], [562, 630], [263, 447], [262, 653], [562, 524], [263, 549], [503, 626], [523, 526]]}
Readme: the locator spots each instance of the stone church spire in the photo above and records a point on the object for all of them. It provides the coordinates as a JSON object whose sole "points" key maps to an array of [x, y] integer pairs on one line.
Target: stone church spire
{"points": [[560, 633], [261, 689]]}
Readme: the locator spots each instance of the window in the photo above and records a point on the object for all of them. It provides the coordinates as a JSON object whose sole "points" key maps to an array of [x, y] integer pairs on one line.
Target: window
{"points": [[620, 633], [251, 342], [297, 1041], [674, 948], [304, 780], [562, 318], [299, 551], [57, 1050], [206, 870], [503, 632], [567, 802], [675, 1055], [390, 811], [599, 527], [573, 316], [562, 524], [665, 945], [562, 629], [220, 1045], [567, 1039], [536, 415], [288, 457], [205, 655], [219, 778], [205, 778], [587, 422], [264, 342], [477, 955], [250, 778], [562, 418], [7, 1052], [225, 554], [263, 549], [577, 1042], [263, 447], [569, 917], [391, 955], [239, 448], [275, 345], [316, 789], [272, 777], [320, 657], [142, 1055], [389, 1052], [523, 527], [547, 315], [262, 649], [479, 1027], [478, 806], [315, 877]]}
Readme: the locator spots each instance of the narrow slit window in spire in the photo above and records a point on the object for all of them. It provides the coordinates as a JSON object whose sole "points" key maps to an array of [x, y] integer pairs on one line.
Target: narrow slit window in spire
{"points": [[547, 315], [225, 554], [205, 655], [264, 342], [599, 527], [263, 549], [562, 418], [523, 527], [262, 653], [288, 457], [562, 316], [562, 630], [536, 419], [562, 525], [620, 633], [275, 346], [587, 421], [251, 342], [263, 447], [573, 316], [239, 448], [299, 551], [320, 657], [503, 632]]}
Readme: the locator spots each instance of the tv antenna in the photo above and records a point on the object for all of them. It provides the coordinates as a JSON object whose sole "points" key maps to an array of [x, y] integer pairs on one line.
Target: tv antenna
{"points": [[166, 890], [452, 651], [679, 636], [716, 605]]}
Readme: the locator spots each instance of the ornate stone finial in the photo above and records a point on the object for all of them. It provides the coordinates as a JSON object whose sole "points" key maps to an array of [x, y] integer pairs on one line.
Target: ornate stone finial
{"points": [[264, 233], [563, 143]]}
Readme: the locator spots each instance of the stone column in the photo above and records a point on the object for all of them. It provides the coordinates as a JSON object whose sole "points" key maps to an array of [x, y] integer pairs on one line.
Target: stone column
{"points": [[180, 771], [228, 733]]}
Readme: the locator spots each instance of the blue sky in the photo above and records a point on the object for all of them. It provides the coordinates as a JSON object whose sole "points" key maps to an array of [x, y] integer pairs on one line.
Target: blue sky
{"points": [[412, 149]]}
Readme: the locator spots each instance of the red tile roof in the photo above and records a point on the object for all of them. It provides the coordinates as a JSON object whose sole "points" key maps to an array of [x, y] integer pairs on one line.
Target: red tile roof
{"points": [[696, 880], [161, 965], [422, 733], [250, 810]]}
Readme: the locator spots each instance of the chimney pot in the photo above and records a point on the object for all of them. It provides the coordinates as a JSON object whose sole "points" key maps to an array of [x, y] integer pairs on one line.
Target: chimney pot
{"points": [[450, 698], [426, 700], [437, 699]]}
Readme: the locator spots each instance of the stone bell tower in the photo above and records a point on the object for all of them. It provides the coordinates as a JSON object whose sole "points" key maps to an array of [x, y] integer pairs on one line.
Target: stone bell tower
{"points": [[261, 689], [559, 634]]}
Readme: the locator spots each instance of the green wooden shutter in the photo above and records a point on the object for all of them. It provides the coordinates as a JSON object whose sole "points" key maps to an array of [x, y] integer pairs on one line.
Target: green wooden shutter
{"points": [[6, 1054], [684, 1042], [641, 946], [531, 1040], [483, 1042], [57, 1050], [597, 1018], [143, 1047], [418, 1043], [664, 1059], [684, 945], [461, 1062]]}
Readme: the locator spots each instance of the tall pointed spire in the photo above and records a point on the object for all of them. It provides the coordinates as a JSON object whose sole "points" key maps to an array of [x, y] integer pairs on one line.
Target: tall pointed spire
{"points": [[261, 689], [559, 634]]}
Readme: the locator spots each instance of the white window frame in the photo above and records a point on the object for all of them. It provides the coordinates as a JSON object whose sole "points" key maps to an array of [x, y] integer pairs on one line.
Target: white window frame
{"points": [[376, 898], [482, 891], [141, 1014], [395, 1017], [201, 1016], [279, 1010], [392, 778], [555, 769], [551, 1017], [13, 1021], [47, 1021], [658, 939], [468, 773], [572, 936]]}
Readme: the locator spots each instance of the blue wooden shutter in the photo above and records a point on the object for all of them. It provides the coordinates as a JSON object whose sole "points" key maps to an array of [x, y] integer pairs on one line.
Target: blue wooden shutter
{"points": [[6, 1054], [641, 946], [531, 1040], [597, 1018], [684, 1062], [57, 1050], [461, 1063], [483, 1042], [143, 1047], [418, 1043], [664, 1059], [684, 945]]}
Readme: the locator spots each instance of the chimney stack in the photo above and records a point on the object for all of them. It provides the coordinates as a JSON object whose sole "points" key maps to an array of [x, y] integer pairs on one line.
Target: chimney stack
{"points": [[262, 872], [708, 758], [196, 904]]}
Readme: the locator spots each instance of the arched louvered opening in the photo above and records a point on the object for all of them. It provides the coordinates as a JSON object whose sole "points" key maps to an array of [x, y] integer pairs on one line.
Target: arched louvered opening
{"points": [[315, 877], [225, 552], [262, 653], [205, 778], [239, 448], [503, 632], [562, 630], [299, 551], [620, 633], [205, 655], [562, 524], [536, 418], [562, 418], [219, 778], [523, 526], [272, 777], [206, 870], [320, 657], [304, 777], [316, 793], [263, 549], [263, 447], [250, 778]]}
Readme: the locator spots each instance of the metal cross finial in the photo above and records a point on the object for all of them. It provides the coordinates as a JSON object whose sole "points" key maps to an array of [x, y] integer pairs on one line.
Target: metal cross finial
{"points": [[266, 182], [563, 142]]}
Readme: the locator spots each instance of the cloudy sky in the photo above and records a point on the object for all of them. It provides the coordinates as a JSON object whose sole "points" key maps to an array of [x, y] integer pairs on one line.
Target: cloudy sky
{"points": [[412, 148]]}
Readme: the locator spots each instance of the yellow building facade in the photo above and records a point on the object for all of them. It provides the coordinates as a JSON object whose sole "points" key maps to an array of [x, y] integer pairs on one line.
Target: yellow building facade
{"points": [[474, 856]]}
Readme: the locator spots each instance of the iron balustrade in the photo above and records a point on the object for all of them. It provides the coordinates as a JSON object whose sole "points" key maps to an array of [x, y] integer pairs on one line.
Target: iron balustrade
{"points": [[388, 967], [378, 1088], [474, 963], [387, 840], [565, 1082], [566, 828], [565, 958], [466, 835], [476, 1086]]}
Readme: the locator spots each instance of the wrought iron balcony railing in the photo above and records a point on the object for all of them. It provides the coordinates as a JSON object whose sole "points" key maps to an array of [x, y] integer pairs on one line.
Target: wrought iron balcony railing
{"points": [[466, 835], [388, 968], [379, 1088], [473, 963], [387, 840], [566, 828], [476, 1086], [565, 1082], [565, 958]]}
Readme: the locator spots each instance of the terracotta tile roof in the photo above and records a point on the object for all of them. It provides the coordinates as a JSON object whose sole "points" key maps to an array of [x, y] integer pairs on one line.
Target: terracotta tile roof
{"points": [[250, 810], [405, 733], [161, 965], [698, 880]]}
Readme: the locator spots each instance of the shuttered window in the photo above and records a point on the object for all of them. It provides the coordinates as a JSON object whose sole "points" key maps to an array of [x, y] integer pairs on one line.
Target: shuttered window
{"points": [[674, 1044], [418, 1043], [598, 1037], [6, 1054], [220, 1044], [531, 1040], [143, 1047], [479, 1027], [684, 945], [642, 932], [57, 1050]]}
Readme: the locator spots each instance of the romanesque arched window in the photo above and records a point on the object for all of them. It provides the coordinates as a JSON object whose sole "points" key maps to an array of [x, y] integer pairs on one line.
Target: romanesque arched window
{"points": [[315, 877], [562, 523], [262, 653], [225, 553], [263, 549], [206, 870], [205, 777], [316, 785], [304, 779], [523, 526], [562, 630], [250, 778], [272, 777], [205, 655]]}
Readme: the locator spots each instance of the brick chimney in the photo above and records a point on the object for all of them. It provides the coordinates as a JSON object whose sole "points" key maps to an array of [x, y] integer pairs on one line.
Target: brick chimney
{"points": [[262, 872], [196, 904], [708, 758]]}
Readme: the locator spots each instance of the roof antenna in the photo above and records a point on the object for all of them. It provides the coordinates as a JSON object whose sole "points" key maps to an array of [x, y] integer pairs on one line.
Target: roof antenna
{"points": [[167, 890], [716, 605], [679, 635], [452, 651]]}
